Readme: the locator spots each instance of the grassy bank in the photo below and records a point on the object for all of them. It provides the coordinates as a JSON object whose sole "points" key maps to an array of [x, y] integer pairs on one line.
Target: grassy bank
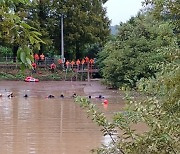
{"points": [[42, 74]]}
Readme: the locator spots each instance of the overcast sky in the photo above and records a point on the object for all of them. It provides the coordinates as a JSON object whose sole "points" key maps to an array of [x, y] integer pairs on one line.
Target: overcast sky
{"points": [[122, 10]]}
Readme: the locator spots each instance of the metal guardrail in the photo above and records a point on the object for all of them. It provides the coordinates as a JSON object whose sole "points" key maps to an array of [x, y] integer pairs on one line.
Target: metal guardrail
{"points": [[11, 62], [7, 59]]}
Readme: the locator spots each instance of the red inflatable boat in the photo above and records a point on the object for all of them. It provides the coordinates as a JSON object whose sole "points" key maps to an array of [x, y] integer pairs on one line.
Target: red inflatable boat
{"points": [[31, 79]]}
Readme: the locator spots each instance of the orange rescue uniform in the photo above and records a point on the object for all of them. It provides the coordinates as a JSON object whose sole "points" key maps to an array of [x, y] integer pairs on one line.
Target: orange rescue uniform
{"points": [[36, 56], [53, 66], [78, 62], [82, 61]]}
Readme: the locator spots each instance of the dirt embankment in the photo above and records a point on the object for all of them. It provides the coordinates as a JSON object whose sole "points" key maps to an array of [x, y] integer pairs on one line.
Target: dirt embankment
{"points": [[42, 74]]}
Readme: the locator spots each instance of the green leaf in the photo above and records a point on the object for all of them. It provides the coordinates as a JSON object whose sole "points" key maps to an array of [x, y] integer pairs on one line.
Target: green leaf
{"points": [[36, 33], [30, 57], [32, 40], [25, 25], [28, 61], [18, 53], [23, 57], [22, 67]]}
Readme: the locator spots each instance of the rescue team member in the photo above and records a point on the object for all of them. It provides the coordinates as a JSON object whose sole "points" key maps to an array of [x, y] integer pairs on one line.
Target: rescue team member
{"points": [[87, 59], [25, 95], [50, 96], [82, 62], [72, 63], [67, 64], [36, 57], [34, 67], [78, 63], [53, 66], [10, 95], [42, 57], [60, 61], [91, 61]]}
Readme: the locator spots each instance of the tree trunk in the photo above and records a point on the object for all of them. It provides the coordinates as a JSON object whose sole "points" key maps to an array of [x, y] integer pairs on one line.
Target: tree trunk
{"points": [[41, 49], [15, 49], [78, 53]]}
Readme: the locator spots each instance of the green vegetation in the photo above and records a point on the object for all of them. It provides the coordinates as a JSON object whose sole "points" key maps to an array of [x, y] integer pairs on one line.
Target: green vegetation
{"points": [[43, 74], [144, 55], [15, 31], [37, 25], [5, 52], [159, 112], [137, 50]]}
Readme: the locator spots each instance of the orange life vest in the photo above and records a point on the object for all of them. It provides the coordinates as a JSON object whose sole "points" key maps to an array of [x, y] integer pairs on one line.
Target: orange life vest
{"points": [[78, 62], [53, 66], [82, 61], [36, 56], [34, 65]]}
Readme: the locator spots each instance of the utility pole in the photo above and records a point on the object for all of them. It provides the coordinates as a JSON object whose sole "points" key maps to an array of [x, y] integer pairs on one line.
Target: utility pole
{"points": [[62, 40]]}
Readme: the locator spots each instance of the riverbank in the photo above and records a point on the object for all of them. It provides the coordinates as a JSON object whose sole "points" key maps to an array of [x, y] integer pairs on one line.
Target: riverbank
{"points": [[42, 74]]}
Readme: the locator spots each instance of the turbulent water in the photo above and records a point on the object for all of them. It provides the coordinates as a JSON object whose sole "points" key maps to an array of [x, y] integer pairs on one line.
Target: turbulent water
{"points": [[39, 125]]}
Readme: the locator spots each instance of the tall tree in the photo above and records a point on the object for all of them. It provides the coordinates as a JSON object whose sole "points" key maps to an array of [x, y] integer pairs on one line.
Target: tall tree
{"points": [[15, 30], [136, 50], [166, 10], [85, 23]]}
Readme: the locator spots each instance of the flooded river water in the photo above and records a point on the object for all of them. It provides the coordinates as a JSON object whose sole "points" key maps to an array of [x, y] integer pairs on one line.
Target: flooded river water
{"points": [[38, 125]]}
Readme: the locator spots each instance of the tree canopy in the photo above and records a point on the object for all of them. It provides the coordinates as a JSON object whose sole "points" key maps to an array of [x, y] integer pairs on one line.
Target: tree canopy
{"points": [[15, 30], [136, 51], [144, 55], [85, 24]]}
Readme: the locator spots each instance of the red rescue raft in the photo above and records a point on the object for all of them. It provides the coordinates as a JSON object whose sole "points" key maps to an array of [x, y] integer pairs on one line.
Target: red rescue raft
{"points": [[31, 79]]}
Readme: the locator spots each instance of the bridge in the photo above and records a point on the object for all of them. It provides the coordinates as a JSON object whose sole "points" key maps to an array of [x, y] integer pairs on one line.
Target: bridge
{"points": [[7, 63]]}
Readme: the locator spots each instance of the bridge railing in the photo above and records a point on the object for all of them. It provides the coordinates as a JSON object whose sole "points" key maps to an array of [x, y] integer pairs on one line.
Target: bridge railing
{"points": [[6, 60], [13, 62]]}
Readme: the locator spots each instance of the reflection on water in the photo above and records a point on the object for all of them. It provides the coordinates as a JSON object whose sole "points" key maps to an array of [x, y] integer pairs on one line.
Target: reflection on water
{"points": [[38, 125]]}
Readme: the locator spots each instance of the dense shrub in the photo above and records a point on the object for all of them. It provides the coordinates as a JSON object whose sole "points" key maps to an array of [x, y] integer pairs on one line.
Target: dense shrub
{"points": [[136, 51]]}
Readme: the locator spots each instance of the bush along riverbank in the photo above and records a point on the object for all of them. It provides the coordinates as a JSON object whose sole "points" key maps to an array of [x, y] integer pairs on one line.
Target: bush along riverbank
{"points": [[42, 75]]}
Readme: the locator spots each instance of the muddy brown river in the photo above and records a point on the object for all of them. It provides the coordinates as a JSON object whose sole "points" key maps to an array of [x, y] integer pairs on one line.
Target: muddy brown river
{"points": [[38, 125]]}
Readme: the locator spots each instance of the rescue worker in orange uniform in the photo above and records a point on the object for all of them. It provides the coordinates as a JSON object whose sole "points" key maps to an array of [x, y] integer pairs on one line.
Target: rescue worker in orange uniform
{"points": [[87, 59], [67, 64], [78, 63], [53, 66], [72, 63], [36, 57], [82, 62], [34, 67], [91, 61], [60, 61]]}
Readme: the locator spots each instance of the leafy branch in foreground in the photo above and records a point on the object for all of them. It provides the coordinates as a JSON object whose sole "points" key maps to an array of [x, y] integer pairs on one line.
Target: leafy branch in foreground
{"points": [[15, 30], [162, 127]]}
